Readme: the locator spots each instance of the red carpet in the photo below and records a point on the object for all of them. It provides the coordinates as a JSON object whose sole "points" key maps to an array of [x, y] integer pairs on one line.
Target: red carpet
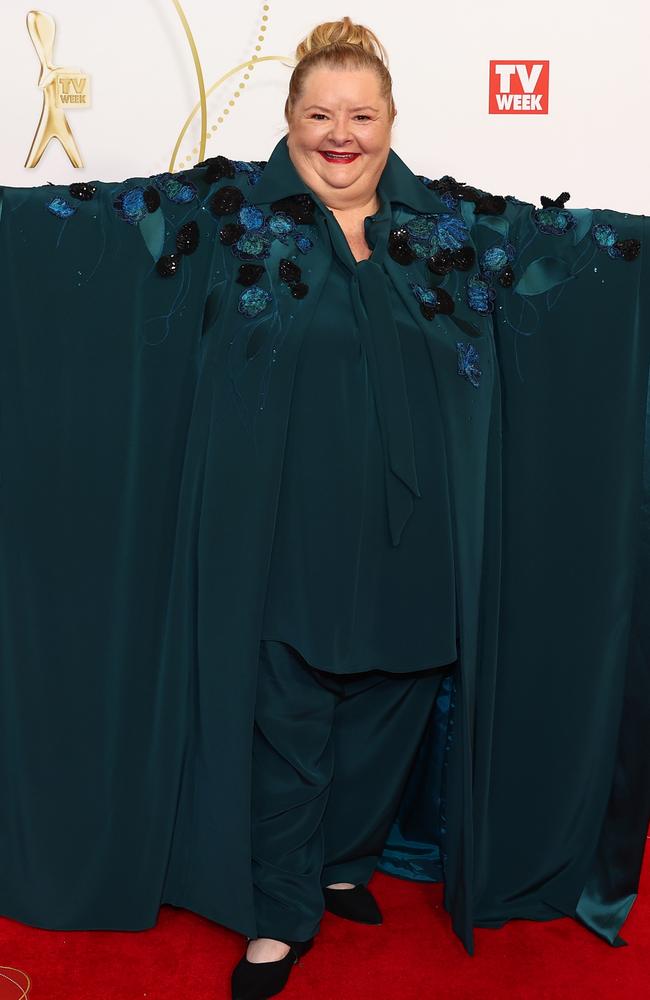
{"points": [[412, 956]]}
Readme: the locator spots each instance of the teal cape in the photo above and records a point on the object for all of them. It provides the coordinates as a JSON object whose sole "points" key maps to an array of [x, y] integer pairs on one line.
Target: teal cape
{"points": [[144, 402]]}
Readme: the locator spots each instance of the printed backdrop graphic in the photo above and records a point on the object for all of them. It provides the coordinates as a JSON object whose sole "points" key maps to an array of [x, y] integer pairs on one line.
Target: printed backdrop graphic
{"points": [[502, 99]]}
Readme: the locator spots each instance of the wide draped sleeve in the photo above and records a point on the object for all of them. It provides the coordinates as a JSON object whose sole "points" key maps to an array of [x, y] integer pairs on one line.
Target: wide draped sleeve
{"points": [[569, 294], [105, 292], [560, 772]]}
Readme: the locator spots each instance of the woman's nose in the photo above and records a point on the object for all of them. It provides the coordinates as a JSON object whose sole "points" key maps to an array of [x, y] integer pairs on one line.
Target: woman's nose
{"points": [[339, 132]]}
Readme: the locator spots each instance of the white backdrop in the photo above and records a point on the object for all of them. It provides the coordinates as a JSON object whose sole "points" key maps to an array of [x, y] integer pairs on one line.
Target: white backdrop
{"points": [[594, 142]]}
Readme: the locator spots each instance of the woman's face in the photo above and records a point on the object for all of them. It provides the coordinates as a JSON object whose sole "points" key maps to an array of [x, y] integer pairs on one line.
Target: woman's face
{"points": [[339, 135]]}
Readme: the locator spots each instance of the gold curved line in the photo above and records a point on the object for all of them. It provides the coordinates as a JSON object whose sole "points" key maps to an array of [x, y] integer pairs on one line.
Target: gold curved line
{"points": [[25, 989], [222, 79], [199, 75]]}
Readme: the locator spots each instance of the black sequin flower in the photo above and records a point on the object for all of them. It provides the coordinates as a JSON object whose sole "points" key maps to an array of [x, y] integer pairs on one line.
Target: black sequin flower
{"points": [[151, 198], [452, 191], [399, 246], [299, 207], [216, 168], [249, 274], [168, 265], [289, 272], [187, 238], [558, 202], [506, 277], [442, 262], [230, 233], [463, 258], [291, 275], [445, 260], [226, 200], [627, 249], [83, 191]]}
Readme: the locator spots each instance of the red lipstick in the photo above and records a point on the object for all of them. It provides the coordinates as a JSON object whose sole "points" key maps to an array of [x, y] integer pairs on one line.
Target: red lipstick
{"points": [[332, 156]]}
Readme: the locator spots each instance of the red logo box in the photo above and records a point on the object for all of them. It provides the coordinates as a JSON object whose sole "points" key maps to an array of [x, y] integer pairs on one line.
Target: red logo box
{"points": [[518, 88]]}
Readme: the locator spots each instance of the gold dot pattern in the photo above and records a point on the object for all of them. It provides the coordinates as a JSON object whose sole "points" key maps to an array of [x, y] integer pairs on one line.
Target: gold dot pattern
{"points": [[240, 86]]}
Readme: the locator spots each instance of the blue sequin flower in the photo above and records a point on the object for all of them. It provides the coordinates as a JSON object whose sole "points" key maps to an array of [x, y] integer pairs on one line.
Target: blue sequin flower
{"points": [[177, 189], [468, 359], [251, 217], [604, 235], [61, 208], [253, 301], [281, 225], [480, 295], [493, 259], [131, 206], [252, 169], [425, 235], [452, 232], [425, 296], [554, 221], [606, 238], [304, 243], [422, 227], [252, 246]]}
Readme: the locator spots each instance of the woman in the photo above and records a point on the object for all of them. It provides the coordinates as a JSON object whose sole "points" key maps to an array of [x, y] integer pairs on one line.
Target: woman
{"points": [[300, 499], [357, 633]]}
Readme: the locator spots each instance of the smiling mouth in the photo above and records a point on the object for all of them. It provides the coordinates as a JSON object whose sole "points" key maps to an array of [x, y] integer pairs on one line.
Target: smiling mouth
{"points": [[332, 157]]}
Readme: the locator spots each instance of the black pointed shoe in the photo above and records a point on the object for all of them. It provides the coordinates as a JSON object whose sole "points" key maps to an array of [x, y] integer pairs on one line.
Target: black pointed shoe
{"points": [[353, 904], [259, 980]]}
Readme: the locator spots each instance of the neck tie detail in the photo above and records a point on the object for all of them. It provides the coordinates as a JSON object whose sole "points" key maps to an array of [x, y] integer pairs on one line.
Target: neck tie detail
{"points": [[374, 313]]}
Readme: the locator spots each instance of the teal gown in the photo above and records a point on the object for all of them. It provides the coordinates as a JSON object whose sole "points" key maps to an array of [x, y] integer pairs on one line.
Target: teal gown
{"points": [[146, 386]]}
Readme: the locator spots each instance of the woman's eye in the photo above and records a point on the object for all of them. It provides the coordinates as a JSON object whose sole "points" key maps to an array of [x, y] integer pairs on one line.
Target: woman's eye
{"points": [[319, 115]]}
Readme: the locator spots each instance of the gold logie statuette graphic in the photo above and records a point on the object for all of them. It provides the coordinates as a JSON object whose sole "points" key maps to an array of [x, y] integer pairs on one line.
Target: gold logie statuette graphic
{"points": [[64, 89]]}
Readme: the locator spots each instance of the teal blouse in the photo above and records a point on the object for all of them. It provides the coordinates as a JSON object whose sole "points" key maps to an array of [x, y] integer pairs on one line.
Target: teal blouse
{"points": [[362, 568]]}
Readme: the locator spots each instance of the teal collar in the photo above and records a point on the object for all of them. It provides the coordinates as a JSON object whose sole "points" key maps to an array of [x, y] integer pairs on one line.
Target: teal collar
{"points": [[397, 184]]}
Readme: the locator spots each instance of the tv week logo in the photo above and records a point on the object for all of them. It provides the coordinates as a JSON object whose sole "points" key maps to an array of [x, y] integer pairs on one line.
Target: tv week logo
{"points": [[518, 88]]}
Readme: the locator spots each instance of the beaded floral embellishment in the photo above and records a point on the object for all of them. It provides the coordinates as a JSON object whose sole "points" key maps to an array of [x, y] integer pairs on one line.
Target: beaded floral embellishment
{"points": [[250, 233], [468, 362], [554, 219], [451, 192], [187, 240], [442, 242], [62, 208], [134, 204], [220, 167]]}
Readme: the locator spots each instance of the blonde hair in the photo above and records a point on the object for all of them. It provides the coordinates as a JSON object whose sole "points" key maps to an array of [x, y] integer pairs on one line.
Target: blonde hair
{"points": [[340, 45]]}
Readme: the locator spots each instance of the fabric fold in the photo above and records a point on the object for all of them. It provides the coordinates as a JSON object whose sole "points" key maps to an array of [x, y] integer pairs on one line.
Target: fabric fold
{"points": [[380, 337]]}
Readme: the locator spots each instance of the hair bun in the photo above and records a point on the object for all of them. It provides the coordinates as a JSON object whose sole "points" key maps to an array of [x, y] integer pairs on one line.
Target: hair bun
{"points": [[343, 32]]}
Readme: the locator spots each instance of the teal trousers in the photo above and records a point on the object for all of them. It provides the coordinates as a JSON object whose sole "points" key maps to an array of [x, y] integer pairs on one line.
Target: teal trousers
{"points": [[331, 756]]}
